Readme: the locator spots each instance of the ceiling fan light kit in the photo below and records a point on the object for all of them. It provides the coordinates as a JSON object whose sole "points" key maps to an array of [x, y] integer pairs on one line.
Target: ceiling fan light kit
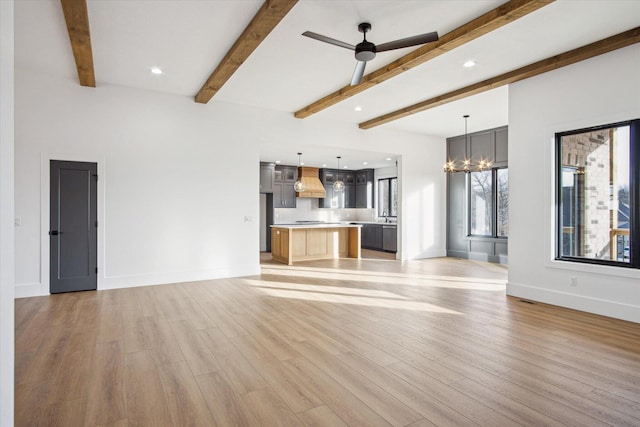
{"points": [[365, 50]]}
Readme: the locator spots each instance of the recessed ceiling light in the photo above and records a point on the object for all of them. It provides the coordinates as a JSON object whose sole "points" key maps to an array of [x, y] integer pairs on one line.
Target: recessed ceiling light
{"points": [[365, 163], [388, 159], [301, 163], [277, 161], [357, 108], [470, 63], [156, 70]]}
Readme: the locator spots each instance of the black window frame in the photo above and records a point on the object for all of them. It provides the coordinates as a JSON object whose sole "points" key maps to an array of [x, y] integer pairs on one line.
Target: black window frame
{"points": [[494, 206], [389, 198], [634, 196]]}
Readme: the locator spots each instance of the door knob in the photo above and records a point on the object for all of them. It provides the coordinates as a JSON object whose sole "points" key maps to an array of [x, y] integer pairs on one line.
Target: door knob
{"points": [[54, 232]]}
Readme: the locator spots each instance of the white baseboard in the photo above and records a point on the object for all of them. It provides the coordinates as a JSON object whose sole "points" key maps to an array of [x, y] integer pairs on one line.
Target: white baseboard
{"points": [[613, 309], [434, 253], [118, 282], [27, 290]]}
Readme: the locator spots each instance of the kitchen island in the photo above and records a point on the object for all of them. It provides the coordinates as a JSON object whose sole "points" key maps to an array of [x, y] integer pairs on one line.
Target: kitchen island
{"points": [[292, 243]]}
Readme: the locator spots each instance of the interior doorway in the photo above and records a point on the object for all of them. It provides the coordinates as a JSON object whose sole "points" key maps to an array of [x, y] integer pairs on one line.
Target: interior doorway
{"points": [[73, 226]]}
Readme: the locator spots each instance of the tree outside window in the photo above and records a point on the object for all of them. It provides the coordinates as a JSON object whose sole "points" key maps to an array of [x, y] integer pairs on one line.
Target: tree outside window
{"points": [[489, 203], [388, 197]]}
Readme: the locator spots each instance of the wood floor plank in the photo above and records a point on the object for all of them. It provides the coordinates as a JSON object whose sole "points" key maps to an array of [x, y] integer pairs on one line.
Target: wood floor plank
{"points": [[295, 393], [321, 416], [65, 413], [200, 359], [429, 407], [49, 353], [269, 410], [145, 394], [391, 409], [241, 374], [106, 399], [184, 399], [31, 398], [71, 377], [518, 412], [224, 402], [348, 407]]}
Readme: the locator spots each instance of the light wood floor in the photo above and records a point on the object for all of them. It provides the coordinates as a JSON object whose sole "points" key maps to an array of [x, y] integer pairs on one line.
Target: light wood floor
{"points": [[334, 343]]}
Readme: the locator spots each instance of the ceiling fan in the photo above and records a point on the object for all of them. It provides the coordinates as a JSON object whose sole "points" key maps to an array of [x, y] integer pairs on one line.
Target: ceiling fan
{"points": [[366, 51]]}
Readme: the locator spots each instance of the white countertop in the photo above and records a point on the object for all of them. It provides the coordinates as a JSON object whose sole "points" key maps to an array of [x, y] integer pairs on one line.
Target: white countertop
{"points": [[294, 226]]}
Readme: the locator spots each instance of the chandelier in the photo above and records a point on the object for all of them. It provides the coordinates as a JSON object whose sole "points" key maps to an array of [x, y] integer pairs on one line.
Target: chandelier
{"points": [[338, 185], [299, 185], [451, 166]]}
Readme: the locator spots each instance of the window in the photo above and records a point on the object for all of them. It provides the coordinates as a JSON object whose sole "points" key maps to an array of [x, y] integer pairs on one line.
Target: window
{"points": [[502, 190], [489, 203], [388, 197], [598, 184]]}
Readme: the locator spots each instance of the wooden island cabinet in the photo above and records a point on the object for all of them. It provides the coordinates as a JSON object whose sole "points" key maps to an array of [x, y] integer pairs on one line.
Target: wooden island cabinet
{"points": [[291, 243]]}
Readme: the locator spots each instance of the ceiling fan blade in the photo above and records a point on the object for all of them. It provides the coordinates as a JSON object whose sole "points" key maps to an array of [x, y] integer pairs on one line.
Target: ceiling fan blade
{"points": [[358, 73], [409, 41], [329, 40]]}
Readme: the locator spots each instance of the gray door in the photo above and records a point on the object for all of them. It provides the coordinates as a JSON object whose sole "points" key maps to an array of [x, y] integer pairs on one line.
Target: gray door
{"points": [[74, 222]]}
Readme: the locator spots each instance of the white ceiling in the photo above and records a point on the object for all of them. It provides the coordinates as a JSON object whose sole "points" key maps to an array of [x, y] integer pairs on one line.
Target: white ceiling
{"points": [[188, 38]]}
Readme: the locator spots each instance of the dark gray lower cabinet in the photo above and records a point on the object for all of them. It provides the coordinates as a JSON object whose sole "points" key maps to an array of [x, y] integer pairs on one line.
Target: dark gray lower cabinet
{"points": [[371, 237], [379, 237], [389, 238]]}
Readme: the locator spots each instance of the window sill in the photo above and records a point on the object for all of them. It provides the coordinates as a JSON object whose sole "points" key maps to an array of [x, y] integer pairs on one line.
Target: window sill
{"points": [[487, 239], [585, 267]]}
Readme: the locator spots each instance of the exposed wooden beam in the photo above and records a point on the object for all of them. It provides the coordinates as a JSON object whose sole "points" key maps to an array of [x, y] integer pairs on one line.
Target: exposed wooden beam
{"points": [[269, 15], [480, 26], [571, 57], [77, 19]]}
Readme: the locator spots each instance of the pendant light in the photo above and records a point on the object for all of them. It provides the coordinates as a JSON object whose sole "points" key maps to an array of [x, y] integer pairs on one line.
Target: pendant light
{"points": [[451, 167], [299, 186], [338, 185]]}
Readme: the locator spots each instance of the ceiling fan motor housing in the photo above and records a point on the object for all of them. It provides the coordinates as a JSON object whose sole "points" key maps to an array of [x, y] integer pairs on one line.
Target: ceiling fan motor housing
{"points": [[365, 51]]}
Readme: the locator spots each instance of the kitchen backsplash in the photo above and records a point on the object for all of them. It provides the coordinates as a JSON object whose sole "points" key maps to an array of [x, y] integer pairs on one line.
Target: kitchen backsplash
{"points": [[308, 210]]}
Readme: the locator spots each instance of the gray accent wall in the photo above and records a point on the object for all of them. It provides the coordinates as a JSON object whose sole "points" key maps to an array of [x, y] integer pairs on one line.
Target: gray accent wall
{"points": [[488, 144]]}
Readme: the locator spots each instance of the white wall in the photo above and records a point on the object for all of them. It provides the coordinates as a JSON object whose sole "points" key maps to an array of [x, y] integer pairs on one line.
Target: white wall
{"points": [[602, 90], [178, 178], [6, 215]]}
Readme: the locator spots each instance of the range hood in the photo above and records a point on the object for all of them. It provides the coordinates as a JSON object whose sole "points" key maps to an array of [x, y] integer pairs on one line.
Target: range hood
{"points": [[309, 176]]}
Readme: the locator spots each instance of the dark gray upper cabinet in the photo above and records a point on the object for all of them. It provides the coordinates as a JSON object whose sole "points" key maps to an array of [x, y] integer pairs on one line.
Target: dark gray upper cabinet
{"points": [[358, 192], [364, 189], [285, 173], [501, 157], [266, 177], [284, 196], [350, 195], [284, 177], [488, 145]]}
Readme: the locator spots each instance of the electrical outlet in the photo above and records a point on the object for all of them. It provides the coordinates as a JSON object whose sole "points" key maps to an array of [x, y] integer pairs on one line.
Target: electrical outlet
{"points": [[17, 222], [574, 282]]}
